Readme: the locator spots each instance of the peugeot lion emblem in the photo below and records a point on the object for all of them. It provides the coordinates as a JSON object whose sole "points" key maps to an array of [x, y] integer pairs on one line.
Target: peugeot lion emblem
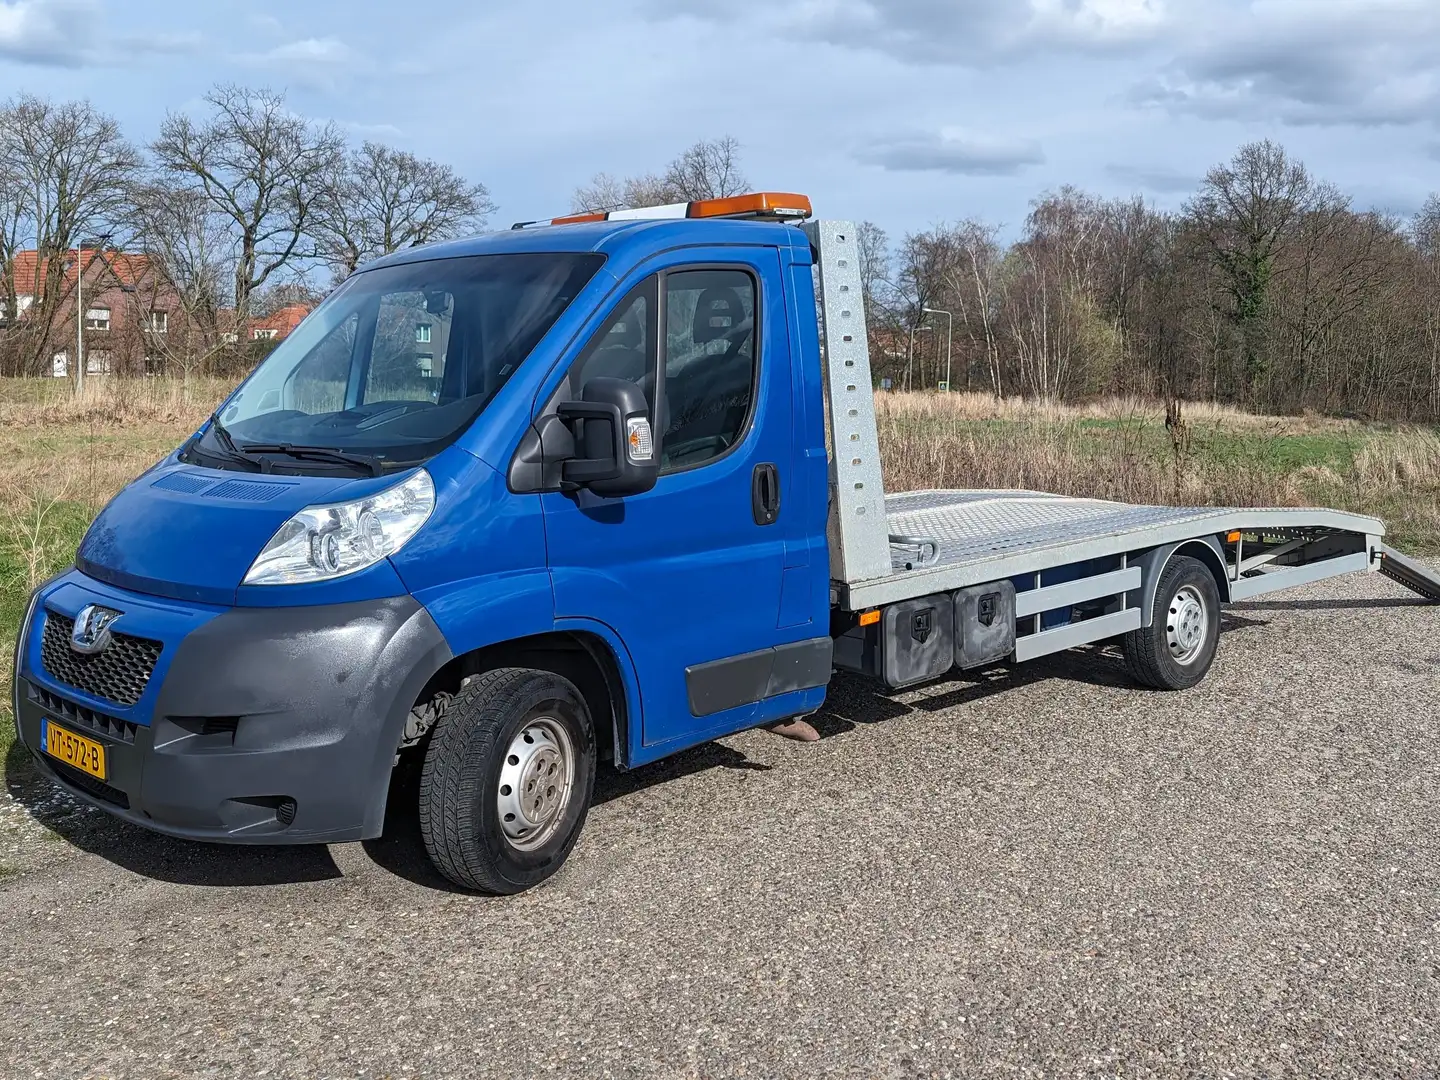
{"points": [[92, 629]]}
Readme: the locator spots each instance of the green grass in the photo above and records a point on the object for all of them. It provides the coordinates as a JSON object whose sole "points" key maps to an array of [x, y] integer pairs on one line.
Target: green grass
{"points": [[22, 566]]}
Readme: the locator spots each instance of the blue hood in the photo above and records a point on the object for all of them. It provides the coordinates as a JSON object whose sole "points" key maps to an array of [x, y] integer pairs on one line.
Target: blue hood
{"points": [[191, 533]]}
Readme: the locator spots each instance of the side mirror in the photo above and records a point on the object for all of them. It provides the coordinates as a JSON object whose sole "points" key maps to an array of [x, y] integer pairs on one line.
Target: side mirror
{"points": [[613, 437]]}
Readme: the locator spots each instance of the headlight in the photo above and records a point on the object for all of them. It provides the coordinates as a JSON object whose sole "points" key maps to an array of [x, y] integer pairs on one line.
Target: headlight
{"points": [[323, 542]]}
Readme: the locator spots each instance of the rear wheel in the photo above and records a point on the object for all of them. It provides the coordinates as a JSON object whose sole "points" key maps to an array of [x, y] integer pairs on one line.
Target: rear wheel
{"points": [[507, 780], [1175, 651]]}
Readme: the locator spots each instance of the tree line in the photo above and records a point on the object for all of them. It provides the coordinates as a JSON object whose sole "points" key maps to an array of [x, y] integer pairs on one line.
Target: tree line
{"points": [[1268, 289], [231, 213]]}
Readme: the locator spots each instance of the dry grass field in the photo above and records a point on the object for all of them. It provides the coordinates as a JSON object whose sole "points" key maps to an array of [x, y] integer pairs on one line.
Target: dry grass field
{"points": [[62, 458], [1121, 449]]}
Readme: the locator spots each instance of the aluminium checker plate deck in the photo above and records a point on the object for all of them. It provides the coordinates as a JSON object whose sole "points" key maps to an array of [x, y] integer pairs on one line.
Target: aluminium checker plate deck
{"points": [[984, 535]]}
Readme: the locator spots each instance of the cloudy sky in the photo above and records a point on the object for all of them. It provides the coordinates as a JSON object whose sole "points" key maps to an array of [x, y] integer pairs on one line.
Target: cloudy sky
{"points": [[907, 112]]}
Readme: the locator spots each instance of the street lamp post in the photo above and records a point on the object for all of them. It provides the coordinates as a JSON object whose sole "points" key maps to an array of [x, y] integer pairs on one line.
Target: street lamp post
{"points": [[79, 320], [910, 357], [949, 337], [97, 242]]}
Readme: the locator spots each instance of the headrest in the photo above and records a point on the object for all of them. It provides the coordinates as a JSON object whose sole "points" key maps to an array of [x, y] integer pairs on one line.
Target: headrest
{"points": [[627, 332], [718, 312]]}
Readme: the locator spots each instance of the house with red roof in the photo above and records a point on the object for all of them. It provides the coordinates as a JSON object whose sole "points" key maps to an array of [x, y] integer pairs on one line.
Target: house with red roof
{"points": [[274, 327], [132, 316]]}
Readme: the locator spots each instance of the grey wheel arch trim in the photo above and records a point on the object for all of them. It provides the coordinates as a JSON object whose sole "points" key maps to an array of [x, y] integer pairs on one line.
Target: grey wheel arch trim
{"points": [[1152, 565], [416, 652]]}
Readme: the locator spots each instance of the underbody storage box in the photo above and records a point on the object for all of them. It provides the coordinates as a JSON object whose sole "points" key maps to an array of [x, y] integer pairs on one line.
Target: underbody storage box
{"points": [[914, 641], [984, 624]]}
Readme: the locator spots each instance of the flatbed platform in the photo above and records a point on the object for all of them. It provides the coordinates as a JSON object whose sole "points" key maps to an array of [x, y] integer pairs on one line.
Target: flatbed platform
{"points": [[969, 537]]}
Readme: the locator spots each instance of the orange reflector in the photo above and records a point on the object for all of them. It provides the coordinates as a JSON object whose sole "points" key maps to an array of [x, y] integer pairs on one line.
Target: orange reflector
{"points": [[576, 219], [869, 618], [778, 204], [1232, 538]]}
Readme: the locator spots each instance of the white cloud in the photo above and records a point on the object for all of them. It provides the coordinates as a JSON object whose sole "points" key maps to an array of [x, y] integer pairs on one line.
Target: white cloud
{"points": [[321, 64], [327, 50], [951, 151], [1158, 179], [266, 24], [1341, 62], [371, 131], [1096, 22], [969, 33], [78, 33], [56, 32]]}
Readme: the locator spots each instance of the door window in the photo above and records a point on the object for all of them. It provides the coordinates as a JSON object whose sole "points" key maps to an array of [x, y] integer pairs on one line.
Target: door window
{"points": [[709, 364]]}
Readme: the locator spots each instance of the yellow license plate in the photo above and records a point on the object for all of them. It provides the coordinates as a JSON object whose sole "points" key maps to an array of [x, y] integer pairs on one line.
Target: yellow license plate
{"points": [[78, 752]]}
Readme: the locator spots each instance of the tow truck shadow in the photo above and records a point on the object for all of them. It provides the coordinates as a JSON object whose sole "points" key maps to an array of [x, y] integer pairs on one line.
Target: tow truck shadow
{"points": [[401, 849], [164, 858], [854, 700], [1333, 605]]}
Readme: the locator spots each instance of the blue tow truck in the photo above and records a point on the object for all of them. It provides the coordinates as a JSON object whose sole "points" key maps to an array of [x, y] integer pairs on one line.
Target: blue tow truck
{"points": [[596, 488]]}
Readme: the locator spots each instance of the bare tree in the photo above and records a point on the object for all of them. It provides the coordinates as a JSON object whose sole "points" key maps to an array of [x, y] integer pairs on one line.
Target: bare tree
{"points": [[67, 168], [924, 264], [710, 169], [262, 167], [606, 192], [1425, 231], [377, 200], [873, 246], [975, 284], [187, 244], [12, 218]]}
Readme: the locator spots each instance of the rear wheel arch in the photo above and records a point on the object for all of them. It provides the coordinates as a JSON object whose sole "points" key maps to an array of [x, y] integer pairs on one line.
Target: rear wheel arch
{"points": [[1153, 563]]}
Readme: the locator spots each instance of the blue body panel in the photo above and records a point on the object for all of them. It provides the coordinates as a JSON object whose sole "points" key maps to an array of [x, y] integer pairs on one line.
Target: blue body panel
{"points": [[679, 576]]}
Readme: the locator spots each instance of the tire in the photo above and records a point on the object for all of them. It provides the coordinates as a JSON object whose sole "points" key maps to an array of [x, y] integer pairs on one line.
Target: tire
{"points": [[1175, 651], [511, 728]]}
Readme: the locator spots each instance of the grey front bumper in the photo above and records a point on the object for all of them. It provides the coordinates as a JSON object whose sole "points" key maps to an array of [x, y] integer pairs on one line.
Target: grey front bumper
{"points": [[272, 726]]}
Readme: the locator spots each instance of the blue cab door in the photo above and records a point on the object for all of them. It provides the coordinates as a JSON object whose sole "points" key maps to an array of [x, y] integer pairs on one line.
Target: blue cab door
{"points": [[689, 575]]}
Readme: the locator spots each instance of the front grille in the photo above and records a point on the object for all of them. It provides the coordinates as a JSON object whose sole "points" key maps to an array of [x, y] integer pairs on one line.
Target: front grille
{"points": [[117, 674], [77, 716], [87, 783]]}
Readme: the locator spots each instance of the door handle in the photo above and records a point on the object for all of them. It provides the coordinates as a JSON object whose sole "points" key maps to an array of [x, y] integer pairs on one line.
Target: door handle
{"points": [[765, 493]]}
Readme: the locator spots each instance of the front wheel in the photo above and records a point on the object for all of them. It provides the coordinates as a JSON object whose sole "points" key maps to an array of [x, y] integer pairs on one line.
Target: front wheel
{"points": [[507, 780], [1175, 651]]}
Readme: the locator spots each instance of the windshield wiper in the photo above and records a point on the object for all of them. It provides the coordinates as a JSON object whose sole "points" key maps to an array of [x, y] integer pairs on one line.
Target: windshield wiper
{"points": [[374, 465], [222, 434], [227, 444]]}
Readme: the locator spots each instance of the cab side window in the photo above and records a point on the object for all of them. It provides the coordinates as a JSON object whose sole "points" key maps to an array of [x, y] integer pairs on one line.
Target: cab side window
{"points": [[709, 364]]}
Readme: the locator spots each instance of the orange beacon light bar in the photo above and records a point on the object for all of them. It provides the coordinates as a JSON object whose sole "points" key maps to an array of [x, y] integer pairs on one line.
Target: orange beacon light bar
{"points": [[756, 206]]}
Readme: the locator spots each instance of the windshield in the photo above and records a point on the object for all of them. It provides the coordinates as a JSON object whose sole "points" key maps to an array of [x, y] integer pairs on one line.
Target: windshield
{"points": [[397, 362]]}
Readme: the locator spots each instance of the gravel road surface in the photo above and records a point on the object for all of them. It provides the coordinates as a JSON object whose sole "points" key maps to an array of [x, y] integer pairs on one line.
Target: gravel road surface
{"points": [[1044, 872]]}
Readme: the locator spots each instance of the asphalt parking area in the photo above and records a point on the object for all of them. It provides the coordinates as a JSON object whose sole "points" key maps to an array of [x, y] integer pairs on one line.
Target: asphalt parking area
{"points": [[1041, 872]]}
